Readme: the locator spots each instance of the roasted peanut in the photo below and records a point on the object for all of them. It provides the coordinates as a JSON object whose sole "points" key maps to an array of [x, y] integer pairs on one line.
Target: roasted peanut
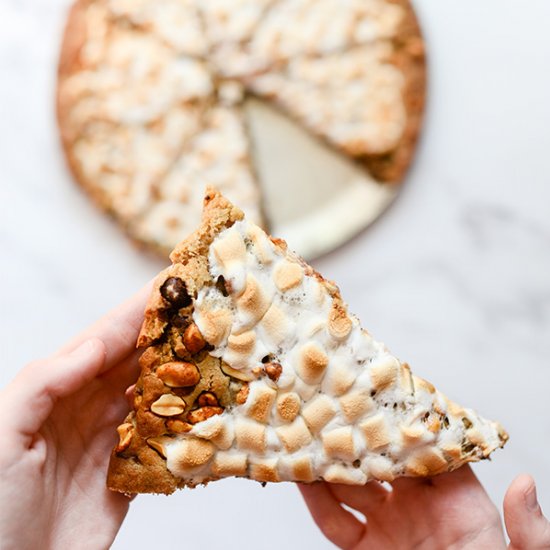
{"points": [[273, 370], [125, 432], [193, 339], [157, 443], [203, 413], [239, 375], [207, 399], [178, 374], [168, 405], [242, 395], [178, 426]]}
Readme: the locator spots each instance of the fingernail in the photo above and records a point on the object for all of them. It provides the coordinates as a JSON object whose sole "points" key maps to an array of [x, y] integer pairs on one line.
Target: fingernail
{"points": [[531, 501]]}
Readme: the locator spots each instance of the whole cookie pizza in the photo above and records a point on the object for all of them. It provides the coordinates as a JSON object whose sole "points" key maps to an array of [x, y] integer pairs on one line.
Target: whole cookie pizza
{"points": [[151, 94]]}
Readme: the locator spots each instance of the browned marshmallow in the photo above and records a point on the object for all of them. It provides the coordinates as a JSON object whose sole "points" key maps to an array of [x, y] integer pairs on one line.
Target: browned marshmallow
{"points": [[251, 435], [264, 469], [302, 469], [318, 412], [229, 464], [338, 379], [295, 435], [384, 374], [312, 363], [339, 324], [288, 406], [218, 430], [242, 343], [338, 443], [426, 462], [275, 325], [193, 453], [356, 403], [254, 299], [259, 403], [288, 275], [376, 432], [215, 325], [229, 248]]}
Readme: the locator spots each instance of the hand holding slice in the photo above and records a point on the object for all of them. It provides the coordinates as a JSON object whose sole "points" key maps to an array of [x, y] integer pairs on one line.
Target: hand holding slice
{"points": [[253, 367]]}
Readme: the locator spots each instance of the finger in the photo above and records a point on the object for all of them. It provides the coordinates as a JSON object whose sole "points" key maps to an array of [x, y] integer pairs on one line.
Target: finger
{"points": [[458, 477], [526, 526], [129, 394], [337, 524], [462, 479], [124, 373], [366, 498], [118, 329], [29, 399]]}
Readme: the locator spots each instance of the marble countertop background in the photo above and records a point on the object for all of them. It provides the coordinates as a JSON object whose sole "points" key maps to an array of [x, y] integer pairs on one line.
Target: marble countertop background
{"points": [[455, 277]]}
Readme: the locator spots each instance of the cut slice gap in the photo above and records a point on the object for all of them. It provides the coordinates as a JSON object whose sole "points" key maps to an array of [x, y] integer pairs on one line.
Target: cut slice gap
{"points": [[352, 99], [311, 191]]}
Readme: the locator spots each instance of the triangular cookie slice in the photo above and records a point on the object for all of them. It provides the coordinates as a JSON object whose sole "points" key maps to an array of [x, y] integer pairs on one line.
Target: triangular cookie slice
{"points": [[254, 368]]}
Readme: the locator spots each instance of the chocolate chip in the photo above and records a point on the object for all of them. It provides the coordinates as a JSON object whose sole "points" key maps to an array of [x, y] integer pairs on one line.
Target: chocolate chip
{"points": [[174, 291], [180, 321], [221, 285]]}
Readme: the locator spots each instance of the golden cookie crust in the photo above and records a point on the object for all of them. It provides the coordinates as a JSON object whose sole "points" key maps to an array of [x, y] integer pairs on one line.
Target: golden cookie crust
{"points": [[410, 58], [74, 37], [140, 469]]}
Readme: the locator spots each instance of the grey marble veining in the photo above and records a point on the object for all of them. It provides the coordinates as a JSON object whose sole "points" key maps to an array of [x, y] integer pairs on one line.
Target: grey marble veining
{"points": [[455, 278]]}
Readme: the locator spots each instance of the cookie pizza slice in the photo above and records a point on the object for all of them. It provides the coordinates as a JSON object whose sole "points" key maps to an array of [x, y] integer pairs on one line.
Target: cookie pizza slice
{"points": [[253, 367]]}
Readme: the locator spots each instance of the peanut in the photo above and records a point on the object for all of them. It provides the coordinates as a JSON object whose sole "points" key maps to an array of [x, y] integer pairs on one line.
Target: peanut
{"points": [[242, 395], [203, 413], [168, 405], [179, 374], [193, 339], [178, 426], [207, 399], [125, 432], [157, 443], [273, 370], [239, 375]]}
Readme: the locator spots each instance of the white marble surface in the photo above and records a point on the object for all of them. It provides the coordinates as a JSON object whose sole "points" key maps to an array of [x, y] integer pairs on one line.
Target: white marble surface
{"points": [[455, 277]]}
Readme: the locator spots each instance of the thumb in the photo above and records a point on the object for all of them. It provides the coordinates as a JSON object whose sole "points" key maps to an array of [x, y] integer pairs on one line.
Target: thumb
{"points": [[29, 399], [526, 526]]}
